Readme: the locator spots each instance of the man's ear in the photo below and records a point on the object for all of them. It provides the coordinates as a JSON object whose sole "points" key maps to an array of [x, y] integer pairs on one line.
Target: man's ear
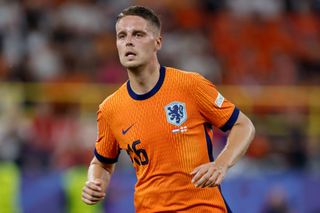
{"points": [[158, 43]]}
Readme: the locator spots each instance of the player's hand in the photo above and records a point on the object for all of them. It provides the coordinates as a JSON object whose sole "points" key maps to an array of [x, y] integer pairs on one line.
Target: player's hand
{"points": [[93, 192], [208, 175]]}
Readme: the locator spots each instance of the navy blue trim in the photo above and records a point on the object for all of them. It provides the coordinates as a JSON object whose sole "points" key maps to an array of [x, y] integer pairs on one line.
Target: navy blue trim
{"points": [[225, 202], [209, 142], [104, 159], [233, 118], [154, 90]]}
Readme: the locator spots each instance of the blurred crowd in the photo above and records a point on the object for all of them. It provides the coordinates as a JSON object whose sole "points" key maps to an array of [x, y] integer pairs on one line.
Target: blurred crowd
{"points": [[231, 42]]}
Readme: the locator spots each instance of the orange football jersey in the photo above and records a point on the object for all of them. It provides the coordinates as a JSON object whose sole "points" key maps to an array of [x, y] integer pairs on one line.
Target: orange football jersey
{"points": [[167, 133]]}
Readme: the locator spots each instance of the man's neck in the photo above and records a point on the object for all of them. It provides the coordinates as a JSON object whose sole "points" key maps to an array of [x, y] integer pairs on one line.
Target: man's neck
{"points": [[143, 79]]}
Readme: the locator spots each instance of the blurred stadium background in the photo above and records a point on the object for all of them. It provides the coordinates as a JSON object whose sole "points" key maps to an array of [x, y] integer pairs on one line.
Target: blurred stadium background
{"points": [[58, 61]]}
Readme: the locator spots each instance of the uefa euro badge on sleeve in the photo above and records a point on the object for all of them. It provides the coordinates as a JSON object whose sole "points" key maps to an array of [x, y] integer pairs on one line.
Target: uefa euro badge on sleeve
{"points": [[176, 113]]}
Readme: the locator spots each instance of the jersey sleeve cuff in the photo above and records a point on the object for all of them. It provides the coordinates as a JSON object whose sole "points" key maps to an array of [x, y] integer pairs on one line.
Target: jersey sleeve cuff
{"points": [[233, 118], [104, 159]]}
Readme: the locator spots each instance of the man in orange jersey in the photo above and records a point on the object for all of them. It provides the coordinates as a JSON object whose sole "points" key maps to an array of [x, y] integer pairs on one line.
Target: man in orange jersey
{"points": [[163, 118]]}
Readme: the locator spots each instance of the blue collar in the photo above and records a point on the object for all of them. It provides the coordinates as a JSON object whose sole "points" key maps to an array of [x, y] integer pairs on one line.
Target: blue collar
{"points": [[154, 90]]}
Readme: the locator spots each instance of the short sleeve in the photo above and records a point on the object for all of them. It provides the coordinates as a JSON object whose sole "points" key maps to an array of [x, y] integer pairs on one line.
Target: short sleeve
{"points": [[106, 148], [215, 108]]}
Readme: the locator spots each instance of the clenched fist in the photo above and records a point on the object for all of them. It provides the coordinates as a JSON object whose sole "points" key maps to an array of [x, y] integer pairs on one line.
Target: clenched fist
{"points": [[93, 192]]}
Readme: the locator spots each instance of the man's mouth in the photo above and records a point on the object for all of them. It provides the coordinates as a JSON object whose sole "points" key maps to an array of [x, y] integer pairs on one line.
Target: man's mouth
{"points": [[130, 54]]}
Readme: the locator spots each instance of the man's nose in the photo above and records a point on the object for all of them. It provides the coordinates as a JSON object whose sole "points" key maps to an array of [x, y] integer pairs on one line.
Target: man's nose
{"points": [[129, 41]]}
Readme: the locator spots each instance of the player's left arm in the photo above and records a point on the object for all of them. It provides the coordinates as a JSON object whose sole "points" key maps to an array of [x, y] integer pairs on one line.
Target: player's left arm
{"points": [[211, 174]]}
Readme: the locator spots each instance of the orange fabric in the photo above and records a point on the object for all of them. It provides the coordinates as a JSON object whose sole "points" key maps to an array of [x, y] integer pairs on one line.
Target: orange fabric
{"points": [[164, 153]]}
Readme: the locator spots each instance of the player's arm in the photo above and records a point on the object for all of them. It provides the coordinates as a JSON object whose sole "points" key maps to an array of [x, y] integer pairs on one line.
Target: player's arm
{"points": [[99, 175], [239, 139]]}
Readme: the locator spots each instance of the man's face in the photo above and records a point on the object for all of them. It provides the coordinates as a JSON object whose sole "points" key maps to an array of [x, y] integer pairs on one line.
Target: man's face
{"points": [[137, 41]]}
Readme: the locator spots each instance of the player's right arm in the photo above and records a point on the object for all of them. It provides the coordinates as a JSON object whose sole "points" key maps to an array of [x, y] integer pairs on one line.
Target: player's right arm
{"points": [[99, 175], [102, 165]]}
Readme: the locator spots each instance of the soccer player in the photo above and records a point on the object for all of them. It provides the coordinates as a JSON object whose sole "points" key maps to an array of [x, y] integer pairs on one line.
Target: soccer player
{"points": [[163, 118]]}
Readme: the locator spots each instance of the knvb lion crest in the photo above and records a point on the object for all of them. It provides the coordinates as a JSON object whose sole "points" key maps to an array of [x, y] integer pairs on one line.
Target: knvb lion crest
{"points": [[176, 113]]}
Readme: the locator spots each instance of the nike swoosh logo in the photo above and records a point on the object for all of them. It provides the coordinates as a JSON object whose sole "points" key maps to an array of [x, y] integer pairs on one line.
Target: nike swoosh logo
{"points": [[126, 130]]}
